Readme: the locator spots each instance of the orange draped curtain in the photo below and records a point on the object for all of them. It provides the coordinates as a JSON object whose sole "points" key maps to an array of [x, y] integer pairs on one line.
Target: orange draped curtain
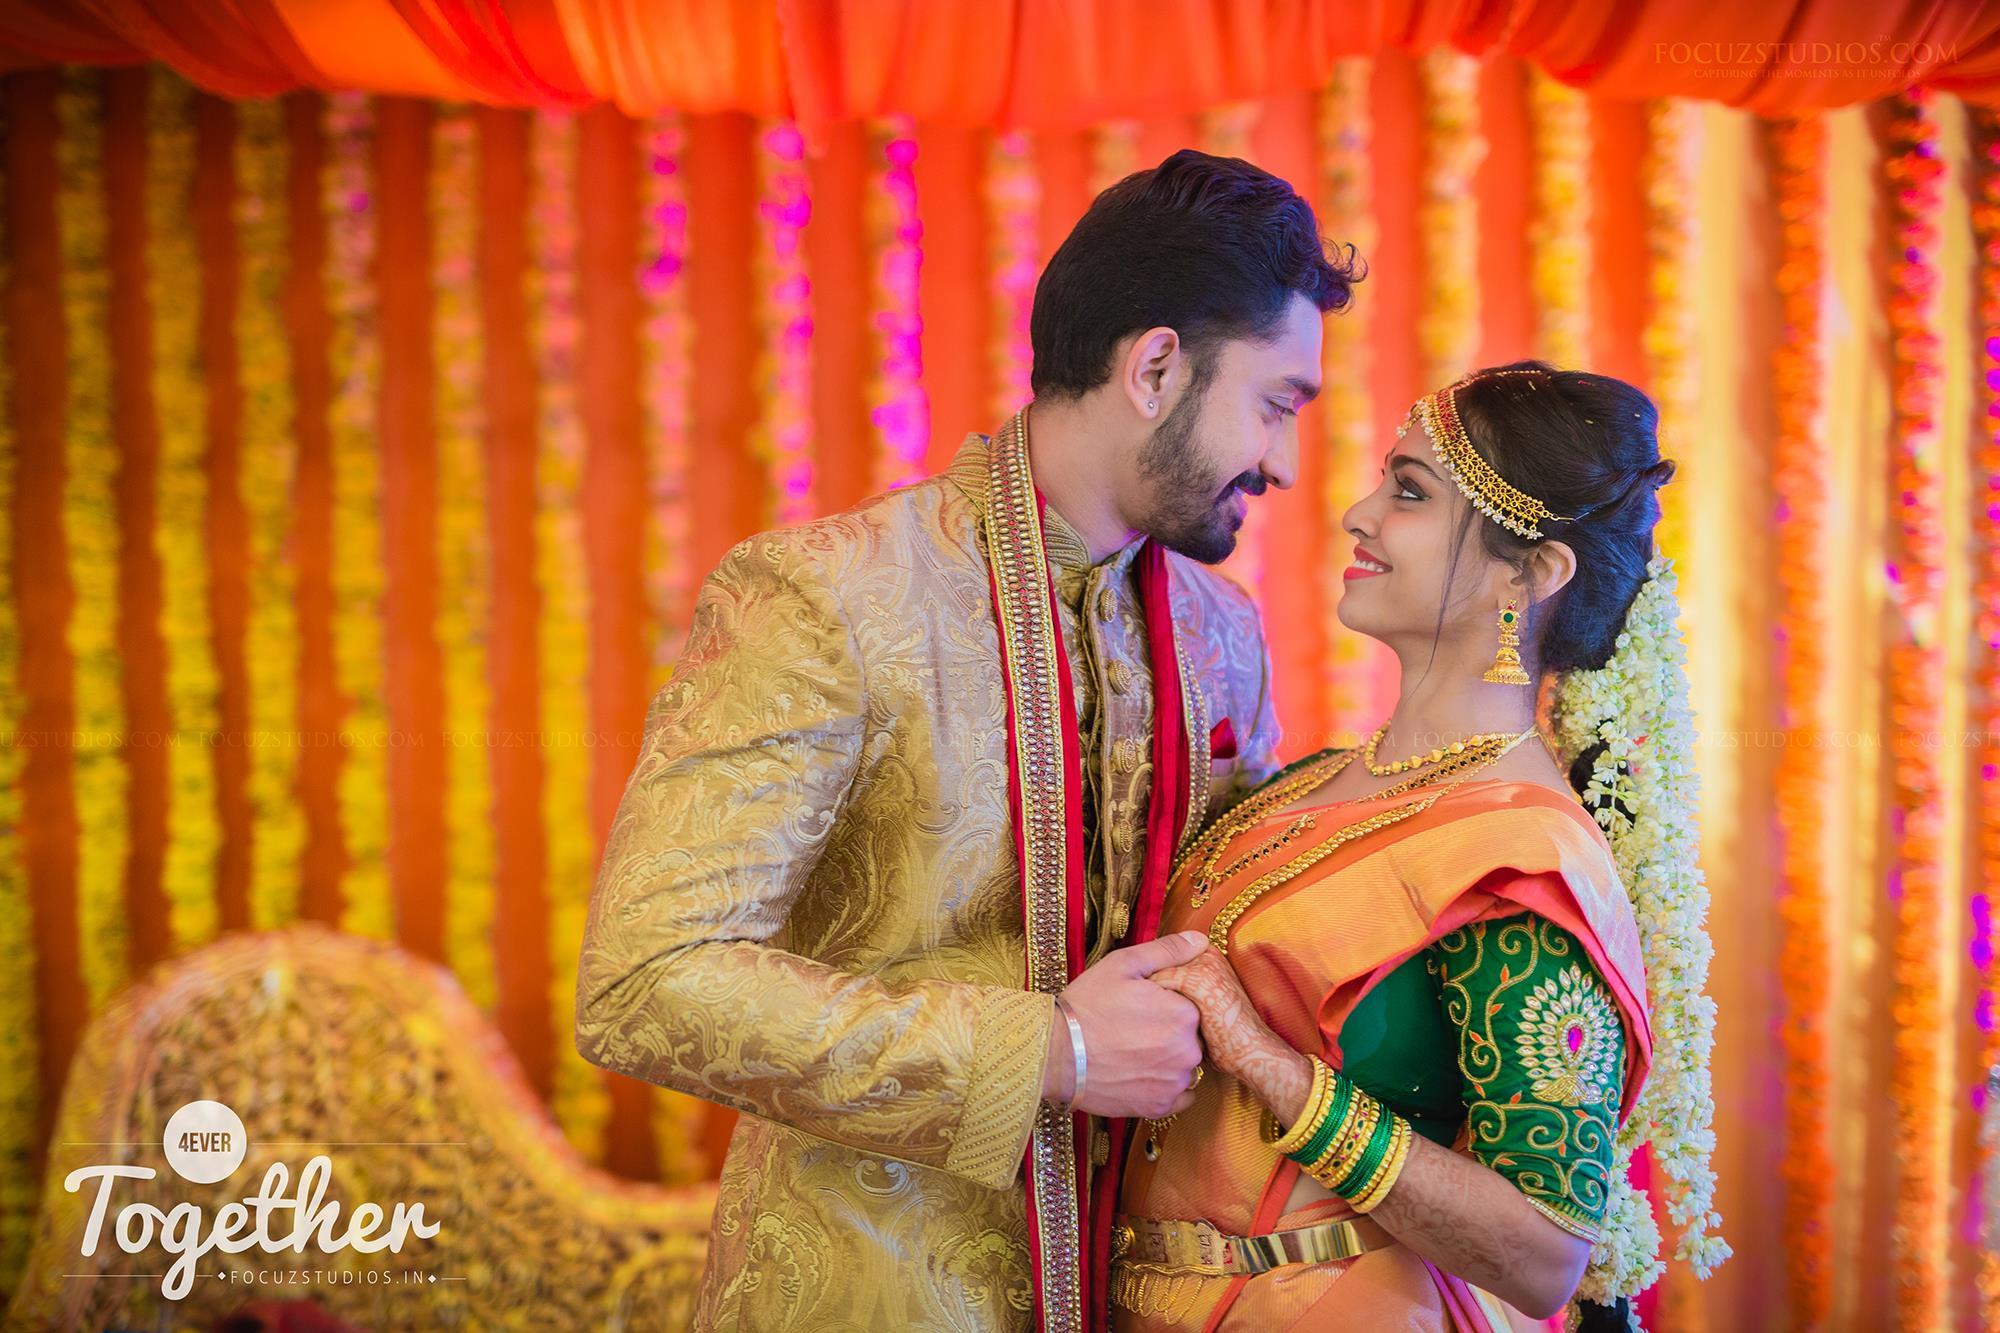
{"points": [[1041, 64]]}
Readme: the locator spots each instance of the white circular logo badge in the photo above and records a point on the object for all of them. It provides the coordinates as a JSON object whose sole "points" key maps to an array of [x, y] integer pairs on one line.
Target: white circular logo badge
{"points": [[205, 1142]]}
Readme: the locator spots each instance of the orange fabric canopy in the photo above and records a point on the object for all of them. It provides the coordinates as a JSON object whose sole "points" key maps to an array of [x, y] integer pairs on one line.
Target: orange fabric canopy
{"points": [[1039, 64]]}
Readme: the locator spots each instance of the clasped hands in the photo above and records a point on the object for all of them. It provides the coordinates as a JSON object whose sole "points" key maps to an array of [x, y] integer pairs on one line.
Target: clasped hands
{"points": [[1149, 1013]]}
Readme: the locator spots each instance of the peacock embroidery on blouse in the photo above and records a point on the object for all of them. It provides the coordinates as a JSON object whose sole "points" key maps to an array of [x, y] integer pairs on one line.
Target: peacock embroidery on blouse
{"points": [[1568, 1039]]}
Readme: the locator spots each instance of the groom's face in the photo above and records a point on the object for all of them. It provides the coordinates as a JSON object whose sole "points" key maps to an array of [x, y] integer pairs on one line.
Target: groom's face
{"points": [[1223, 441]]}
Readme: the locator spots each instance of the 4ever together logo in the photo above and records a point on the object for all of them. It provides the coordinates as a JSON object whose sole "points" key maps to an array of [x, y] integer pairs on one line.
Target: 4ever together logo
{"points": [[205, 1143]]}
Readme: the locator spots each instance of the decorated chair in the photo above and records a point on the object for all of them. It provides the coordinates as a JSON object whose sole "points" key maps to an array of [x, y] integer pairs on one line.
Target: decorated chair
{"points": [[328, 1043]]}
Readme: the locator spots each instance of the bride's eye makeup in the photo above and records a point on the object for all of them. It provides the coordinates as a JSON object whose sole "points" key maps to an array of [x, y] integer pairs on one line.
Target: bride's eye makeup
{"points": [[1408, 490]]}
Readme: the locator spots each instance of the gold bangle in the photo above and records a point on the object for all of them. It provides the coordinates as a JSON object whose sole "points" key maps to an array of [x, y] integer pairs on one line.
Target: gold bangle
{"points": [[1339, 1134], [1383, 1179], [1344, 1148], [1392, 1168], [1317, 1102], [1347, 1147], [1365, 1189]]}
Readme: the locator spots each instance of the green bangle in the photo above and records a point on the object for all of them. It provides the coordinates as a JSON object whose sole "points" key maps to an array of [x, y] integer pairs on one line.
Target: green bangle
{"points": [[1392, 1168], [1356, 1184], [1328, 1117], [1372, 1157], [1322, 1134], [1349, 1143]]}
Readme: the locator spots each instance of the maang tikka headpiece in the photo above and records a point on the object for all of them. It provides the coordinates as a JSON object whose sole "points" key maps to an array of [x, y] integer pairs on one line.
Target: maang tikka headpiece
{"points": [[1513, 509]]}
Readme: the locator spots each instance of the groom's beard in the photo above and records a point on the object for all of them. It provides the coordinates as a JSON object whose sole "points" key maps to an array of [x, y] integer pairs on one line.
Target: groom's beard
{"points": [[1193, 510]]}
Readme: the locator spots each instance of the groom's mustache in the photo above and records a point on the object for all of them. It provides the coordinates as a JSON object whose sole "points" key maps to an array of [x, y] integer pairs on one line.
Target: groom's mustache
{"points": [[1250, 483]]}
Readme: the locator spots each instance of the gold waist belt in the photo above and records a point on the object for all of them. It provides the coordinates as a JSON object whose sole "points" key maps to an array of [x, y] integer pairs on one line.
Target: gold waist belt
{"points": [[1198, 1247]]}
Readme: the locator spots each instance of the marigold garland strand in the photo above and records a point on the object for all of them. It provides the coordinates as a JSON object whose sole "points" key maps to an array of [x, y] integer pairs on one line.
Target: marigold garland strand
{"points": [[464, 562], [900, 409], [92, 537], [267, 481], [1014, 211], [1984, 192], [360, 573], [581, 1102], [1559, 234], [1448, 216], [20, 1027], [180, 536], [782, 436], [1114, 153], [666, 340], [1347, 213], [1799, 470], [1673, 146], [1918, 1076]]}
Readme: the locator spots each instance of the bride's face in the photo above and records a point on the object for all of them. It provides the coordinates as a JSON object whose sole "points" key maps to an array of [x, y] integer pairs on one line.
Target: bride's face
{"points": [[1405, 532]]}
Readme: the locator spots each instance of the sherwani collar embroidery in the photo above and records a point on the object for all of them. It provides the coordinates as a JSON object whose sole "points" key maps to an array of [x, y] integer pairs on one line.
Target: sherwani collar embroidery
{"points": [[1068, 552]]}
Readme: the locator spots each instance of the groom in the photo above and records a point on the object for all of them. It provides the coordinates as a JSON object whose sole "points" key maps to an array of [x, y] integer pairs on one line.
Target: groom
{"points": [[901, 822]]}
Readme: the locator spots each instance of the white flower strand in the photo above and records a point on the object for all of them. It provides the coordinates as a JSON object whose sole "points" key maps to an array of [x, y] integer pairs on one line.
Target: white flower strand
{"points": [[1643, 788]]}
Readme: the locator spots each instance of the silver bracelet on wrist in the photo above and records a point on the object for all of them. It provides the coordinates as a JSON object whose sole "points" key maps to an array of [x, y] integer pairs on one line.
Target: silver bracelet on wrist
{"points": [[1075, 1049]]}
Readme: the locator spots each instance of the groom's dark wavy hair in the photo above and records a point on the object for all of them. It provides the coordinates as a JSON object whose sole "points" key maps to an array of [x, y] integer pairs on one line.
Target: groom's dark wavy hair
{"points": [[1210, 247]]}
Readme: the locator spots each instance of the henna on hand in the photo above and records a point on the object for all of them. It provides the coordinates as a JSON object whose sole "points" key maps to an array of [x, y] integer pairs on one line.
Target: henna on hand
{"points": [[1238, 1040]]}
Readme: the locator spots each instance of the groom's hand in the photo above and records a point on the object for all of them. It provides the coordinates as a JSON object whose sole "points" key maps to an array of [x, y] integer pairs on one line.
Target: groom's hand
{"points": [[1141, 1040]]}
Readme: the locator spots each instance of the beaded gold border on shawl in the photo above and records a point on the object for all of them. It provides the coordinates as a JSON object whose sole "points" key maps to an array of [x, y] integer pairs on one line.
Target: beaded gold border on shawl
{"points": [[1194, 705], [1029, 648]]}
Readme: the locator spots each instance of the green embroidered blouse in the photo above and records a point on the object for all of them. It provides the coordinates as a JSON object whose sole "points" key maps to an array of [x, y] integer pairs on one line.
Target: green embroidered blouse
{"points": [[1505, 1026]]}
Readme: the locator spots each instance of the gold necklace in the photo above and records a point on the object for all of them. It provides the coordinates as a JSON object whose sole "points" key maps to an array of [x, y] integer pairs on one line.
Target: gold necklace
{"points": [[1421, 760], [1218, 930], [1302, 824], [1215, 839], [1458, 763], [1252, 807]]}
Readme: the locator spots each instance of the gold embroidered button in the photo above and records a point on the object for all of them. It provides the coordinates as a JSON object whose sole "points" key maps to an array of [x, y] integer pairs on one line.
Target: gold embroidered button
{"points": [[1125, 754], [1100, 1149], [1106, 605], [1121, 840], [1121, 920], [1121, 676]]}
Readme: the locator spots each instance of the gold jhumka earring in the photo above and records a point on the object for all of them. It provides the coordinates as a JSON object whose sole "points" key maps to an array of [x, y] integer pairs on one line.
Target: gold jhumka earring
{"points": [[1506, 668]]}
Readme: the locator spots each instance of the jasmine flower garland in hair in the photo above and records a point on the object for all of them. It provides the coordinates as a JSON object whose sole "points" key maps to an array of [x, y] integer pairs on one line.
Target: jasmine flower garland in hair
{"points": [[1643, 790]]}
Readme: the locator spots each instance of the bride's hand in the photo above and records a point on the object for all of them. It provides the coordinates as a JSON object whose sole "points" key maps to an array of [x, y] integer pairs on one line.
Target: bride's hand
{"points": [[1232, 1031], [1238, 1040]]}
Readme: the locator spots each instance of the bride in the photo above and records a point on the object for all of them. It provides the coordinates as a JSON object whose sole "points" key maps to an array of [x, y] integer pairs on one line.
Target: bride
{"points": [[1425, 1007]]}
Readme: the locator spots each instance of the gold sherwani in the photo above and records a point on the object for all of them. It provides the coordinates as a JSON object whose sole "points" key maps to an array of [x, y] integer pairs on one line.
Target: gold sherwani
{"points": [[809, 907]]}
